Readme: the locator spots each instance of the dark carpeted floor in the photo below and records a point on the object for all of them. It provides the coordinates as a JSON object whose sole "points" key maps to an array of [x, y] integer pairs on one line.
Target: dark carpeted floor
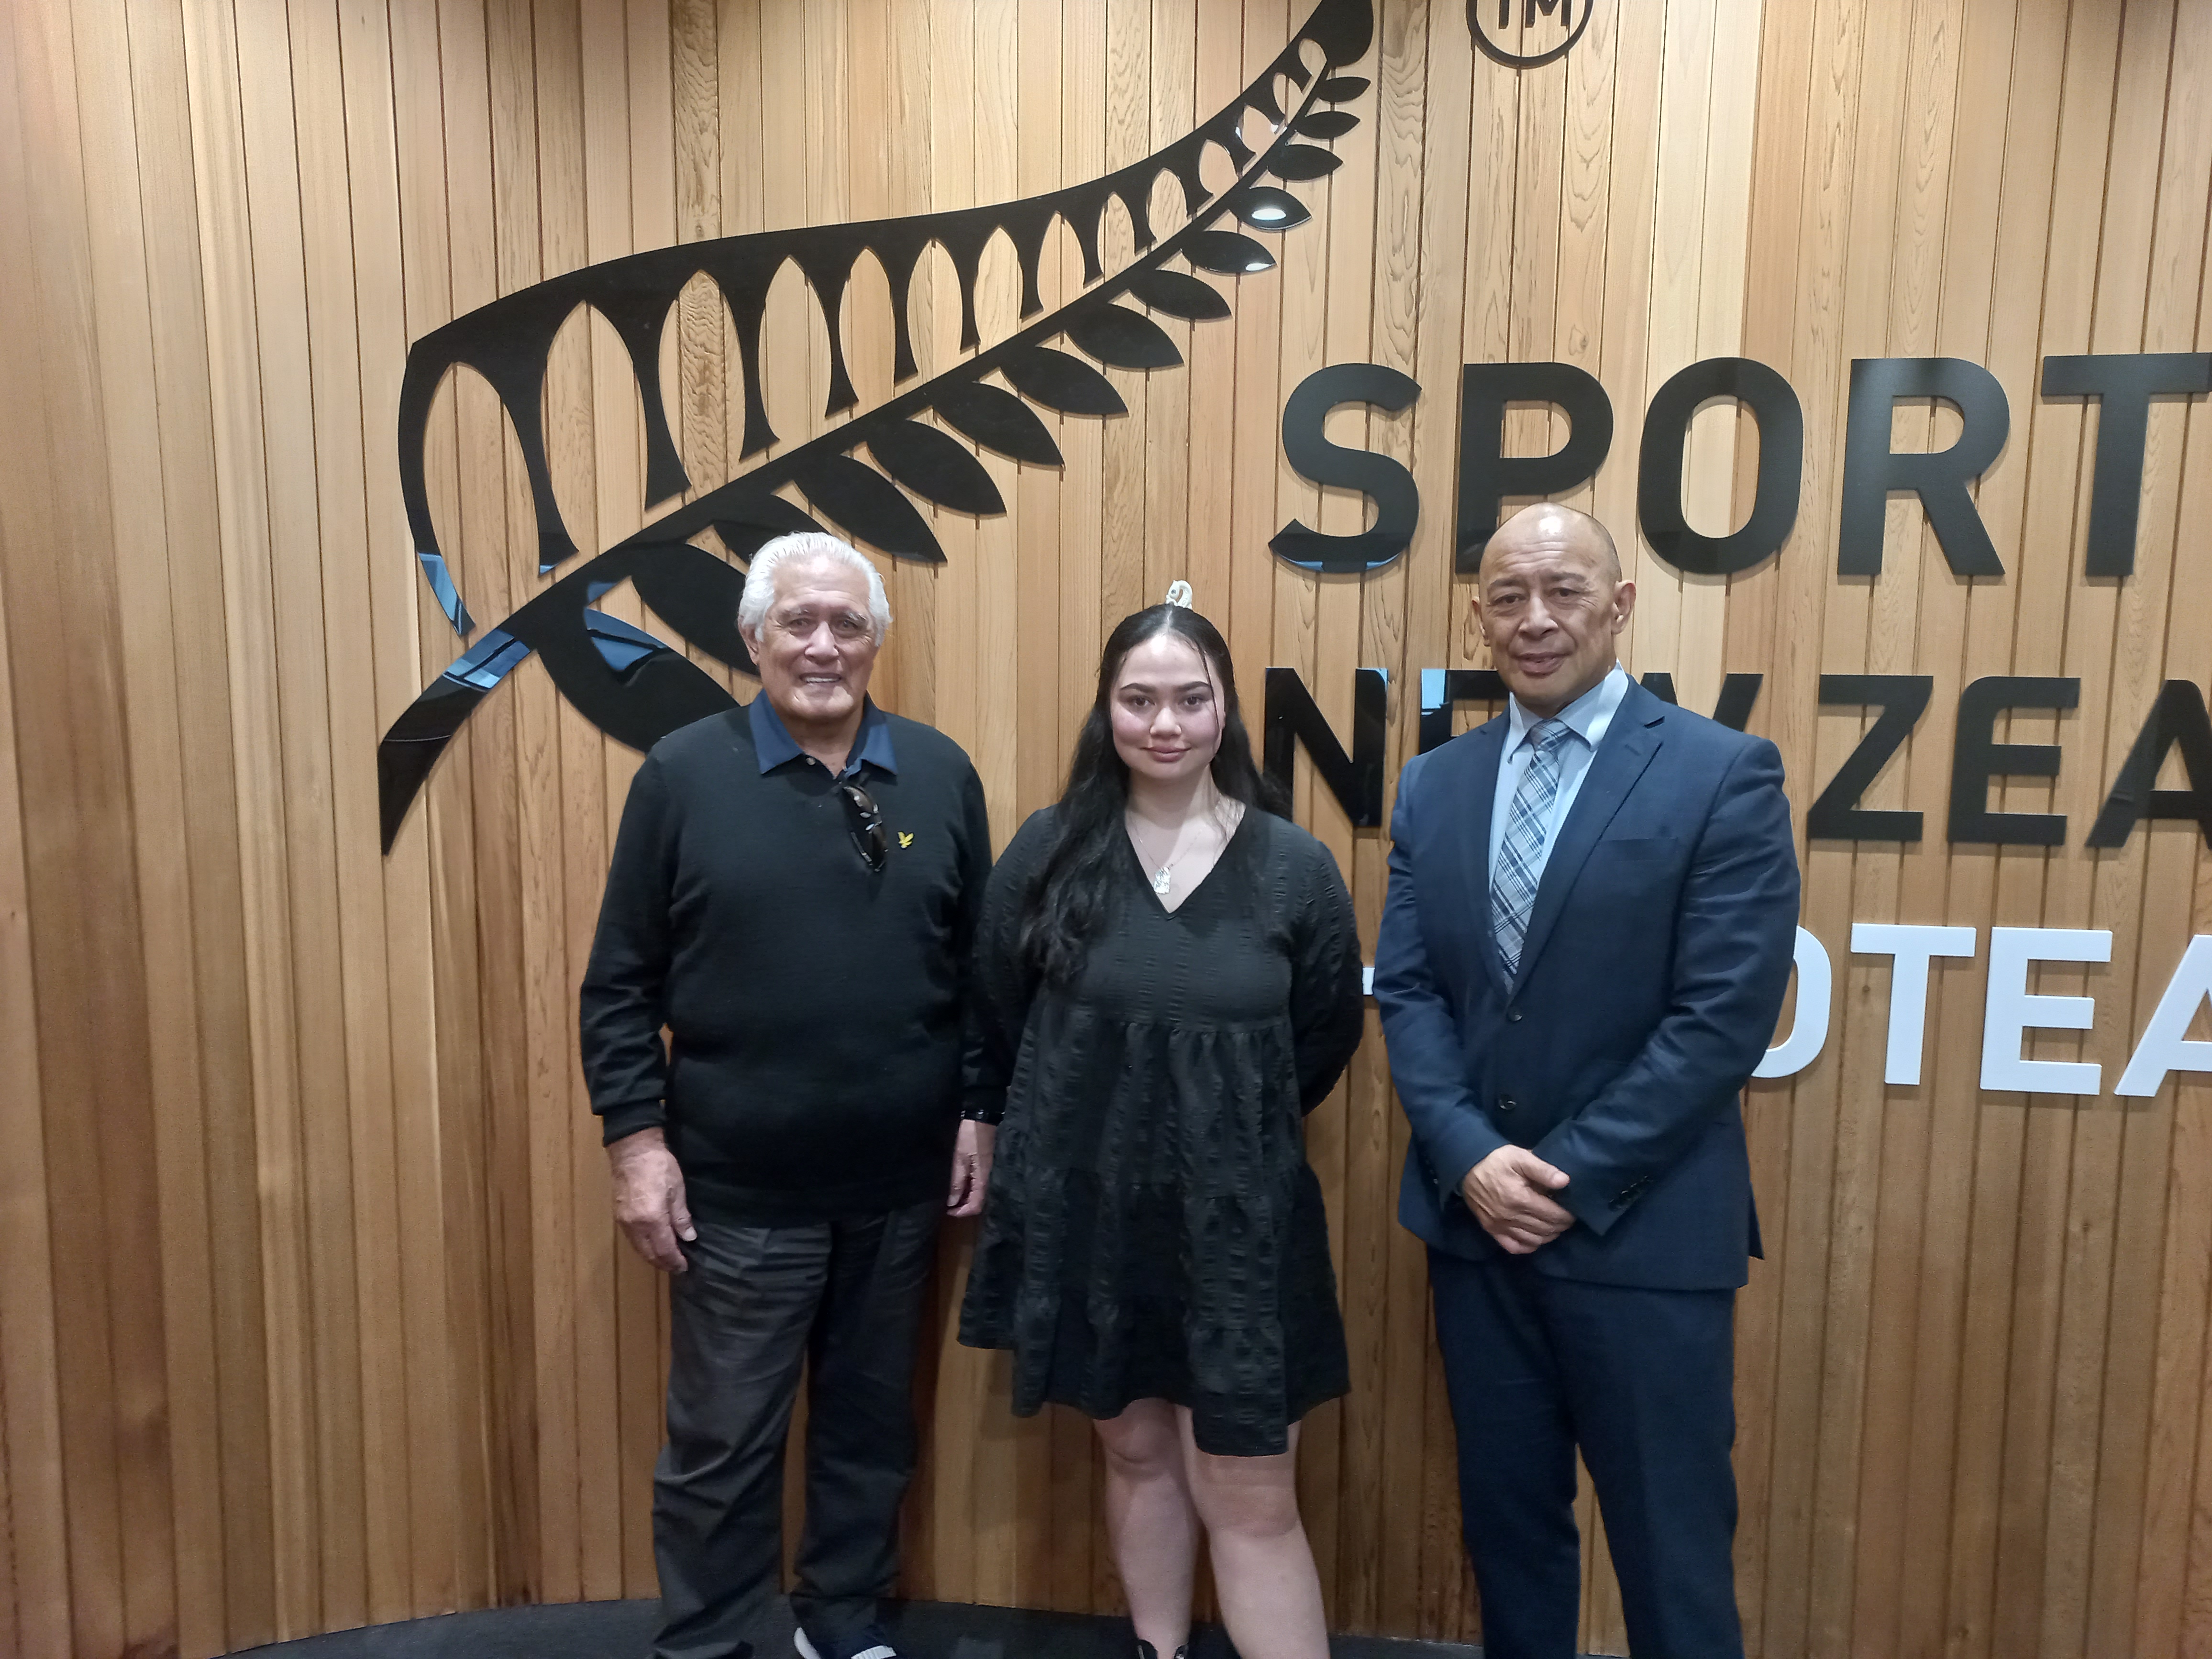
{"points": [[925, 1630]]}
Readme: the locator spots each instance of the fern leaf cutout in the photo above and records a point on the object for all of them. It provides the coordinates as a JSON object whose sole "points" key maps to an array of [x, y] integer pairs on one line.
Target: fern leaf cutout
{"points": [[935, 466], [1122, 339], [1298, 162], [1230, 253], [867, 506], [1063, 383], [637, 687], [998, 420], [1178, 296]]}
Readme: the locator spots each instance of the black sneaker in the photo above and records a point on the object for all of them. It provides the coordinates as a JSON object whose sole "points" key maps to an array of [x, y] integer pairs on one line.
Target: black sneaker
{"points": [[869, 1643]]}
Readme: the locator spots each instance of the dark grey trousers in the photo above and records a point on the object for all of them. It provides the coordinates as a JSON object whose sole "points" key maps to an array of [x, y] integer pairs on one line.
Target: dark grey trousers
{"points": [[847, 1297]]}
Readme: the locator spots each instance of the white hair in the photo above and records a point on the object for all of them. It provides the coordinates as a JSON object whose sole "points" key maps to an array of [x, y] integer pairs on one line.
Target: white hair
{"points": [[807, 547]]}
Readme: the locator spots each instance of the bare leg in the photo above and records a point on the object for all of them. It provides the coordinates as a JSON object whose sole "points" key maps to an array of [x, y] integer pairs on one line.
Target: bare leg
{"points": [[1263, 1568], [1150, 1519]]}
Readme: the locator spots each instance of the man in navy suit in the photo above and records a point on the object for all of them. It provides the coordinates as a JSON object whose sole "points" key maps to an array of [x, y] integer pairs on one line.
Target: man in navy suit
{"points": [[1592, 910]]}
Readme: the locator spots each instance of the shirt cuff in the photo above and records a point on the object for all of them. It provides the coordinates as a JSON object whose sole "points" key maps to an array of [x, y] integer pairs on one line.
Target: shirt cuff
{"points": [[620, 1122], [1472, 1138]]}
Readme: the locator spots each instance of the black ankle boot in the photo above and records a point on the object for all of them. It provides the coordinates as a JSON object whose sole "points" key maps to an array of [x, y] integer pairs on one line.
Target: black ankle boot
{"points": [[1146, 1651]]}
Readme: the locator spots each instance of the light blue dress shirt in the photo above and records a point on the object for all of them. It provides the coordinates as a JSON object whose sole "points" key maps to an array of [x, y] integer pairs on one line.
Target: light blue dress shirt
{"points": [[1586, 717]]}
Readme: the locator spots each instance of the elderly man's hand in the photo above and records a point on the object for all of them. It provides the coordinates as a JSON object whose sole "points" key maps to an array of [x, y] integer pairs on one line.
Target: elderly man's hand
{"points": [[649, 1198], [971, 1166], [1507, 1191]]}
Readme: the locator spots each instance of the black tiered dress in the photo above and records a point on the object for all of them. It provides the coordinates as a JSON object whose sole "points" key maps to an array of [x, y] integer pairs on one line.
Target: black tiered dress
{"points": [[1152, 1228]]}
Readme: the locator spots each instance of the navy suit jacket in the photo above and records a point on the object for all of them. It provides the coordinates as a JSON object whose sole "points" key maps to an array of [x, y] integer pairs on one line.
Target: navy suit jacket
{"points": [[1653, 971]]}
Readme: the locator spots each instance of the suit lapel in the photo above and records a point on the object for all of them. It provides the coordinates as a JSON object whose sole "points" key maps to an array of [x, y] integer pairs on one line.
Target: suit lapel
{"points": [[1485, 743], [1630, 744]]}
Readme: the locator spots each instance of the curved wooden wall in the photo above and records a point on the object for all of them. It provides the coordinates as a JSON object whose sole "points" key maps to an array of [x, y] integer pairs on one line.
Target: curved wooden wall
{"points": [[310, 1311]]}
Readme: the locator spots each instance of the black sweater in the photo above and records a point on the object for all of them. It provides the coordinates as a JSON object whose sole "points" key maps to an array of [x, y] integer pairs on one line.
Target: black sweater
{"points": [[814, 1007]]}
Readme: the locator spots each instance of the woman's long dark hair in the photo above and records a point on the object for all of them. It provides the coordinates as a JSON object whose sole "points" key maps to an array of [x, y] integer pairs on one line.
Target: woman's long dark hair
{"points": [[1067, 904]]}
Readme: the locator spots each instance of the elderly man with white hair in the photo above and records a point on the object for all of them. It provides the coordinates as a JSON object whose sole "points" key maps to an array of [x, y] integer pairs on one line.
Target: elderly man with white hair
{"points": [[791, 898]]}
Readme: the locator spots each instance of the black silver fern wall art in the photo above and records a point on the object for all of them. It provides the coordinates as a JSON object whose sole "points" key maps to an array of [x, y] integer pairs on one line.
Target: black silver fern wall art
{"points": [[637, 689]]}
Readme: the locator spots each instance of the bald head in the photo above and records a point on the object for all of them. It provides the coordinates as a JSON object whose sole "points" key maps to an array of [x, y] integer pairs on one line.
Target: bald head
{"points": [[1549, 524], [1550, 601]]}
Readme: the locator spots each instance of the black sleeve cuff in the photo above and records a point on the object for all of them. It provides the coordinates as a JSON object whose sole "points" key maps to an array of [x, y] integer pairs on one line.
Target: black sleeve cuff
{"points": [[619, 1122]]}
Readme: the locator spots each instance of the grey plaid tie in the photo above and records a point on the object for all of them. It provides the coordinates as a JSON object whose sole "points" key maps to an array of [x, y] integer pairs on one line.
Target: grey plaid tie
{"points": [[1513, 884]]}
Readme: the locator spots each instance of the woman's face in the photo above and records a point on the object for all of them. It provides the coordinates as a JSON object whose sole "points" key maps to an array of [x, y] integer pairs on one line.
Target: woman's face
{"points": [[1166, 719]]}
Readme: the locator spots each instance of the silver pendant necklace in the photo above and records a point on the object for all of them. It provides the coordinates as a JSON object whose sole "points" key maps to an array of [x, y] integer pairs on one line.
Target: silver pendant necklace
{"points": [[1163, 877]]}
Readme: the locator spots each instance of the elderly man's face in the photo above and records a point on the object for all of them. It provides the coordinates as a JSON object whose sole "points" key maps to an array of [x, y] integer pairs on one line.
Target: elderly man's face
{"points": [[816, 646], [1550, 603]]}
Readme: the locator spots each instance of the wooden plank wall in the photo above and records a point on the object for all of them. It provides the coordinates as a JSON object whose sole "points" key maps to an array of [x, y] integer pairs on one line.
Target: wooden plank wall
{"points": [[311, 1314]]}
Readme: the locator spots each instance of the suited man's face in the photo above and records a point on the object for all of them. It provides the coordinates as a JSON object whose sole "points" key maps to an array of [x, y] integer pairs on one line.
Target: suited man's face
{"points": [[1550, 603]]}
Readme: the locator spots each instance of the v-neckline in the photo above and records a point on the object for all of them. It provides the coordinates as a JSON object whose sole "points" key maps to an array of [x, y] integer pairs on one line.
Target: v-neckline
{"points": [[1158, 899]]}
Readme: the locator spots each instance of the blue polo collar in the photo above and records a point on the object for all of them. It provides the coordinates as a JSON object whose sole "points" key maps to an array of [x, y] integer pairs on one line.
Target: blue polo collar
{"points": [[872, 743]]}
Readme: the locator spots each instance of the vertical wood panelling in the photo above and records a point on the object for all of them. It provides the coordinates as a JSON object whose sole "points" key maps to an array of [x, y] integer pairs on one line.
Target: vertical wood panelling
{"points": [[325, 409], [65, 637], [311, 1312], [35, 1614], [610, 102], [1756, 600], [1370, 1246], [239, 1561], [1420, 1521], [129, 393], [2148, 1614]]}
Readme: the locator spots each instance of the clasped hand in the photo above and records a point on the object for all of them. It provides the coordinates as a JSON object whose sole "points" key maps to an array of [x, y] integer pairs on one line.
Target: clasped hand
{"points": [[1509, 1192]]}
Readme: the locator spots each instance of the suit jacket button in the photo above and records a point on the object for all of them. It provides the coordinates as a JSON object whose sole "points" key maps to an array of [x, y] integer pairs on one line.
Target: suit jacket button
{"points": [[1506, 1103], [1512, 1016]]}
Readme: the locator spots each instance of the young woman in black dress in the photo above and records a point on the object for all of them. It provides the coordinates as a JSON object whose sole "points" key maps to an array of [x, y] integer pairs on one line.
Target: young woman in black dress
{"points": [[1168, 980]]}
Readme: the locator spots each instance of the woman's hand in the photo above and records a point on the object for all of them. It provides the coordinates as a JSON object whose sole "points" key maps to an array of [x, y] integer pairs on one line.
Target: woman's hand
{"points": [[971, 1166]]}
